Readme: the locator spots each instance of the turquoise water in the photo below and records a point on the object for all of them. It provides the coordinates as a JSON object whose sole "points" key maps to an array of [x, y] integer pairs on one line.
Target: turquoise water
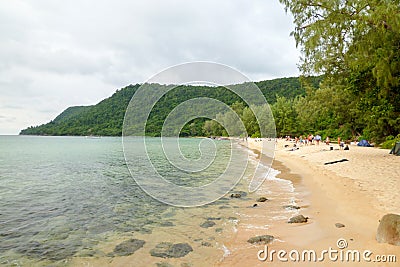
{"points": [[62, 196]]}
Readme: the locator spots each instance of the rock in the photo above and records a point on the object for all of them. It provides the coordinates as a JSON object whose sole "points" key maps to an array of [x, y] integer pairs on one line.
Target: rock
{"points": [[298, 219], [261, 239], [128, 247], [232, 218], [255, 205], [238, 194], [207, 224], [206, 244], [291, 207], [213, 218], [339, 225], [167, 224], [164, 264], [389, 230], [169, 250], [219, 230], [262, 199]]}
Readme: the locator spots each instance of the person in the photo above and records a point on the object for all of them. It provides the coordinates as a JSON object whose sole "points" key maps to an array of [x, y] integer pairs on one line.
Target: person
{"points": [[347, 147], [327, 141], [317, 139]]}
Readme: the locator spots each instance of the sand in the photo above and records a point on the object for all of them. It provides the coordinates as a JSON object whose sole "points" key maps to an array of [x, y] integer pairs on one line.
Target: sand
{"points": [[356, 193]]}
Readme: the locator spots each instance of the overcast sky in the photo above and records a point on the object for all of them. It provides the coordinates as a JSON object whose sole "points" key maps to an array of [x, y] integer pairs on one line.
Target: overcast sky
{"points": [[55, 54]]}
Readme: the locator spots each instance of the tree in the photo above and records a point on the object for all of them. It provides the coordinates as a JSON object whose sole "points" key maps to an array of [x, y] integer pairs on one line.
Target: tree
{"points": [[356, 44]]}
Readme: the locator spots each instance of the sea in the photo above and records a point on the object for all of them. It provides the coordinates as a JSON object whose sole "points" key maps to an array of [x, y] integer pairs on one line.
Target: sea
{"points": [[71, 201]]}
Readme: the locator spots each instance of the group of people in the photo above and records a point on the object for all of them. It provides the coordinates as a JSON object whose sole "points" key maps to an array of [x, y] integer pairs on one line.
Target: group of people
{"points": [[316, 140]]}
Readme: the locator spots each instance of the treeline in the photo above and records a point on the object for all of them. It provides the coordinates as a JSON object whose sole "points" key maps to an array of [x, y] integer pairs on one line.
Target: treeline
{"points": [[106, 118]]}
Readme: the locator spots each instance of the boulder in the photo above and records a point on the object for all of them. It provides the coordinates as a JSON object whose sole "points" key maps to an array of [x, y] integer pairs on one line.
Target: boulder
{"points": [[262, 239], [298, 219], [128, 247], [389, 230], [169, 250]]}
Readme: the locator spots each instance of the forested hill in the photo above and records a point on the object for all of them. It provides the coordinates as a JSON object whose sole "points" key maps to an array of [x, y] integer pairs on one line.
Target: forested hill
{"points": [[106, 117]]}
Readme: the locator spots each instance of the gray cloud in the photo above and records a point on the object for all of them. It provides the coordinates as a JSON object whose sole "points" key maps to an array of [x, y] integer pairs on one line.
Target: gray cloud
{"points": [[54, 54]]}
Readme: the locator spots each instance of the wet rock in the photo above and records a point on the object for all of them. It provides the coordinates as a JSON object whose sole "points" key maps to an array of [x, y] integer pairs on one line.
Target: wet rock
{"points": [[164, 264], [169, 250], [298, 219], [291, 207], [128, 247], [51, 251], [339, 225], [262, 239], [167, 224], [206, 244], [214, 218], [389, 230], [255, 205], [262, 199], [238, 194], [207, 224]]}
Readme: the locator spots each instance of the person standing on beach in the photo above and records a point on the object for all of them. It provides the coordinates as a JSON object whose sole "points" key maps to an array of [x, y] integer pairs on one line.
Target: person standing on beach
{"points": [[327, 141], [338, 142], [317, 139]]}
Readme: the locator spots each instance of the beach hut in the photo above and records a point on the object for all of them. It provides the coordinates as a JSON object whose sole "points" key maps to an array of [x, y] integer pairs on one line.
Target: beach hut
{"points": [[396, 149]]}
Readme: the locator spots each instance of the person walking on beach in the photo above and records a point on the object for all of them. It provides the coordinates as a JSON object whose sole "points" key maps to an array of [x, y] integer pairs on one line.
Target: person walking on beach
{"points": [[327, 141]]}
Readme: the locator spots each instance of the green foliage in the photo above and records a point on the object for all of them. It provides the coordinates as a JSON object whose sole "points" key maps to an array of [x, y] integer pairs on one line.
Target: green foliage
{"points": [[355, 44], [106, 118], [390, 141]]}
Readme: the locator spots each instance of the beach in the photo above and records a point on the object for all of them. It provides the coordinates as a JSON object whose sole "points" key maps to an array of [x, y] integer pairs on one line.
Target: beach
{"points": [[355, 193]]}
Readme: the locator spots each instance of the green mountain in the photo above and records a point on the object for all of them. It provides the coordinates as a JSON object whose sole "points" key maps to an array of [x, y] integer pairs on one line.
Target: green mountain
{"points": [[106, 117]]}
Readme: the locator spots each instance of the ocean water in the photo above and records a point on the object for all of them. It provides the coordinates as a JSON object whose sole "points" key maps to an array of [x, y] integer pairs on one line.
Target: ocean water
{"points": [[65, 201]]}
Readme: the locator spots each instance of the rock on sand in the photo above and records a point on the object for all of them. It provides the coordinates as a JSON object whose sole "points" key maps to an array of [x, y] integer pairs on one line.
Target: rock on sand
{"points": [[389, 230]]}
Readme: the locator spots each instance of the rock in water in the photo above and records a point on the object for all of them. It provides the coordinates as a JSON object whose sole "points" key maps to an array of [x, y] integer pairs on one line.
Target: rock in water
{"points": [[169, 250], [389, 230], [291, 207], [207, 224], [236, 195], [261, 239], [128, 247], [298, 219], [262, 199]]}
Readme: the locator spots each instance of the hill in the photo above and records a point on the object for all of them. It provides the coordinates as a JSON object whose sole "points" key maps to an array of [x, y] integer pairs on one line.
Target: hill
{"points": [[106, 117]]}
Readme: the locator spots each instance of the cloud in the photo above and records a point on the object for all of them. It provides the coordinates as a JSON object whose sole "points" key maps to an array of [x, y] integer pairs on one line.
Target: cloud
{"points": [[60, 53]]}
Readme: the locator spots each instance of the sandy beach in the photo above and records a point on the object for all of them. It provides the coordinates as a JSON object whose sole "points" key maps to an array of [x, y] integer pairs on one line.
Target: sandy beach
{"points": [[355, 193]]}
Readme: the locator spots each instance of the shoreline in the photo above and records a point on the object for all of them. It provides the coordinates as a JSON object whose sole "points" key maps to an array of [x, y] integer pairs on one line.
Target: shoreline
{"points": [[330, 194]]}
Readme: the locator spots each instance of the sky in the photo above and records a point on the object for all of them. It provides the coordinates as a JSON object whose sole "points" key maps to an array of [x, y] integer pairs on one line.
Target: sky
{"points": [[55, 54]]}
